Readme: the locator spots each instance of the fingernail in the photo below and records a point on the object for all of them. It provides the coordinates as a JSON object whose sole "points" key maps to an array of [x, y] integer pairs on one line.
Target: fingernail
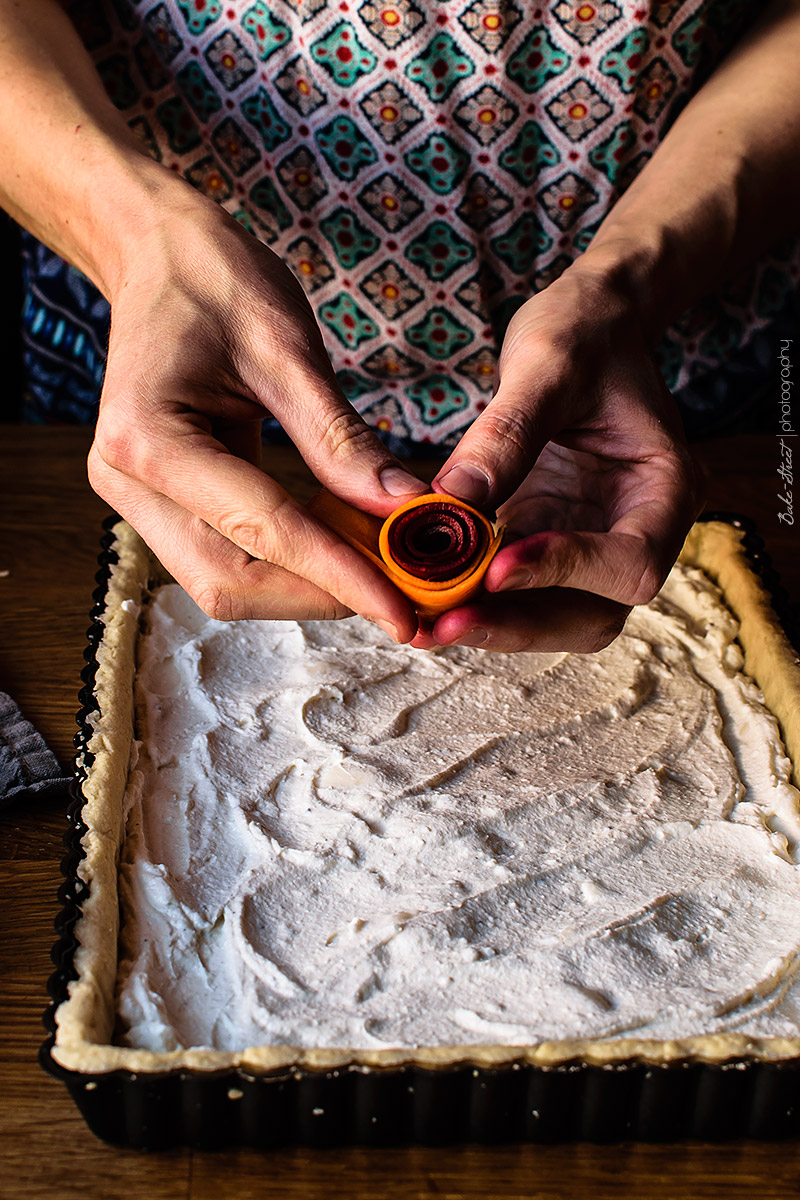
{"points": [[517, 579], [475, 637], [397, 482], [467, 482]]}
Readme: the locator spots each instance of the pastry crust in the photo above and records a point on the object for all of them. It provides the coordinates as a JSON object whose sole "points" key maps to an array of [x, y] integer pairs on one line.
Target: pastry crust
{"points": [[85, 1021], [769, 656]]}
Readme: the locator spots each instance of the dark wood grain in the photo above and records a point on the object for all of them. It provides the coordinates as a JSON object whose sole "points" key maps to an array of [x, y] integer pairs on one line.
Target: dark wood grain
{"points": [[49, 533]]}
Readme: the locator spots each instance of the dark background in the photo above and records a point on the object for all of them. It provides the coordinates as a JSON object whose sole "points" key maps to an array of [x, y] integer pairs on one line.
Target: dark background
{"points": [[10, 310]]}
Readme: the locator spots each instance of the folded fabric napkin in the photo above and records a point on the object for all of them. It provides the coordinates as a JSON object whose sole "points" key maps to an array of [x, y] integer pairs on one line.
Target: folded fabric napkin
{"points": [[27, 766]]}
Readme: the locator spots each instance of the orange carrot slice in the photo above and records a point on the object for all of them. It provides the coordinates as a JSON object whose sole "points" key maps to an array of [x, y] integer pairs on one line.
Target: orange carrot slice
{"points": [[435, 548]]}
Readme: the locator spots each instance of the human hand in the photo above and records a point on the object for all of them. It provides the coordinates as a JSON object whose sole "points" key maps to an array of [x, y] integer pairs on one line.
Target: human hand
{"points": [[210, 332], [582, 453]]}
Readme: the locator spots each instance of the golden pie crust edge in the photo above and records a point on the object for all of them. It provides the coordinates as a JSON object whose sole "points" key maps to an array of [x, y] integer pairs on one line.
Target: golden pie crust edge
{"points": [[85, 1021]]}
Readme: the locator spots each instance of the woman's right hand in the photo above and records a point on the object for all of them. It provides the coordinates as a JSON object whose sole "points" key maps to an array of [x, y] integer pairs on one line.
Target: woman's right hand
{"points": [[210, 332]]}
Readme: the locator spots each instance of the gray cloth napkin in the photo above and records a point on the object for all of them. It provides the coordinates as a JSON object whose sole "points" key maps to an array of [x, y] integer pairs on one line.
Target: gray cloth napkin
{"points": [[27, 766]]}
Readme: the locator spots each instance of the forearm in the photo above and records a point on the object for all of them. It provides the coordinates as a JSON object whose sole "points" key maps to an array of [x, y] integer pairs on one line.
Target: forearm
{"points": [[72, 171], [723, 186]]}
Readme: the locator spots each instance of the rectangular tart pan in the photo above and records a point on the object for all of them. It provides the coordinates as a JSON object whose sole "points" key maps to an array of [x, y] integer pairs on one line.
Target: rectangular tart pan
{"points": [[518, 1101]]}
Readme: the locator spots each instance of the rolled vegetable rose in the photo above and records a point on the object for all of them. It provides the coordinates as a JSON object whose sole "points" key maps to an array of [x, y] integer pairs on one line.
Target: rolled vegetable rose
{"points": [[435, 540], [435, 548]]}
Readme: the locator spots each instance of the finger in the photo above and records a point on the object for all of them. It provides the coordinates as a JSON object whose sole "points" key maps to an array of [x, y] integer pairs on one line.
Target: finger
{"points": [[424, 639], [501, 446], [619, 566], [550, 620], [184, 463], [222, 579], [337, 444], [629, 563]]}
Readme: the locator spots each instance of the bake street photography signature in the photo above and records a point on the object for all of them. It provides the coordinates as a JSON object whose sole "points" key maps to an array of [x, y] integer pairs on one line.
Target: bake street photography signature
{"points": [[785, 468]]}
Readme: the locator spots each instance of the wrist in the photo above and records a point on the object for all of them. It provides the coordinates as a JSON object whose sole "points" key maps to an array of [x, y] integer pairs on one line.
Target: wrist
{"points": [[128, 201], [637, 273], [666, 243], [74, 173]]}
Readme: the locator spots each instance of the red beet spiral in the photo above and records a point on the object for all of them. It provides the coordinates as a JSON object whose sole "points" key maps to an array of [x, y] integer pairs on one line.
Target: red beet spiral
{"points": [[436, 541]]}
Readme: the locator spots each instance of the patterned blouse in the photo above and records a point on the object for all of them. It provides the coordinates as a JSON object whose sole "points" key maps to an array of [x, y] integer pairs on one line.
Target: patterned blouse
{"points": [[423, 166]]}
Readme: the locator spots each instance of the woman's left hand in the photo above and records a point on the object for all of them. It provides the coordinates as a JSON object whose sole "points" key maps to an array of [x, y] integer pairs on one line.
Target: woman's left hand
{"points": [[582, 454]]}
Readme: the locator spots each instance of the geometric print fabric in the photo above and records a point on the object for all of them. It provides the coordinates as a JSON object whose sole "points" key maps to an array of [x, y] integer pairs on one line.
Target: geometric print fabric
{"points": [[423, 166]]}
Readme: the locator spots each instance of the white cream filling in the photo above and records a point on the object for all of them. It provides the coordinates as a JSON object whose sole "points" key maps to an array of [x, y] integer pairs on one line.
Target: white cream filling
{"points": [[335, 841]]}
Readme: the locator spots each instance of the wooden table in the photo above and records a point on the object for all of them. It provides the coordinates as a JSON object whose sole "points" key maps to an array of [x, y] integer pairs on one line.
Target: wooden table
{"points": [[49, 532]]}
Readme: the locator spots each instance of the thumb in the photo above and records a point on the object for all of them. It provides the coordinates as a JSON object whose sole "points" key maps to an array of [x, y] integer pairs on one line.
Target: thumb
{"points": [[346, 456], [499, 449]]}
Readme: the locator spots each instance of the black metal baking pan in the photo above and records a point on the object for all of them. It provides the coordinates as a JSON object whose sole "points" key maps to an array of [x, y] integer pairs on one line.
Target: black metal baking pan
{"points": [[518, 1102]]}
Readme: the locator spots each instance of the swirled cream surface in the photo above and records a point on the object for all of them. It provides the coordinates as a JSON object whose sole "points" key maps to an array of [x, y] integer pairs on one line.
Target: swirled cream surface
{"points": [[335, 841]]}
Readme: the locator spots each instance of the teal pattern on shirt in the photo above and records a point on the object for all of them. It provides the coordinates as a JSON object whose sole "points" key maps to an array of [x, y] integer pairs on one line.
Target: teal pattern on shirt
{"points": [[424, 166]]}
